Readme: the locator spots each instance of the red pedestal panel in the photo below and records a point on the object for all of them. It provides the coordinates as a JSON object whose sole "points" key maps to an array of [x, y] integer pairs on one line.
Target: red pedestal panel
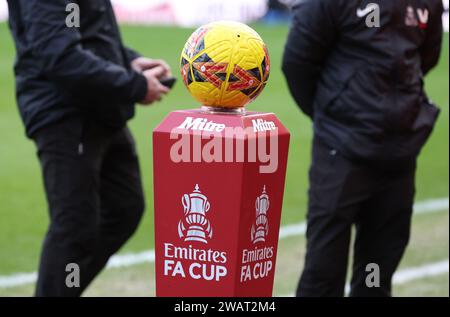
{"points": [[218, 185]]}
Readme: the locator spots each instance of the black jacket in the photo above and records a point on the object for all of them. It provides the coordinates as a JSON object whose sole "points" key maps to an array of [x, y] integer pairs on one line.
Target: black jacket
{"points": [[62, 71], [363, 86]]}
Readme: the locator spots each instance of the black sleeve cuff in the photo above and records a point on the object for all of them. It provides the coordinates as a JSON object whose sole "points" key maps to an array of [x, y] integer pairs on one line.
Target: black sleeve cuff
{"points": [[131, 54], [139, 87]]}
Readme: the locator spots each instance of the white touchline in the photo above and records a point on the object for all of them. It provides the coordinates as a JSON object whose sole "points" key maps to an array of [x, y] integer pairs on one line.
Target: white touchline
{"points": [[17, 279], [125, 260], [423, 207], [415, 273], [430, 206], [410, 274], [131, 259]]}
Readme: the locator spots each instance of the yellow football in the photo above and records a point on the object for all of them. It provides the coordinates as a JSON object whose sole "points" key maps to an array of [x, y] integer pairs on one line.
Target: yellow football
{"points": [[225, 64]]}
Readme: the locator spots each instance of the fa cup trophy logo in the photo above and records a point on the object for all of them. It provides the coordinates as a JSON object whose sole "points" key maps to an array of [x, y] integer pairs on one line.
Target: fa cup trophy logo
{"points": [[195, 206], [260, 228]]}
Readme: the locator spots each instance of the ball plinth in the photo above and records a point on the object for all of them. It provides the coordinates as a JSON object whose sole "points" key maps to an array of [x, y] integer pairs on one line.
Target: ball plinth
{"points": [[224, 110], [225, 65]]}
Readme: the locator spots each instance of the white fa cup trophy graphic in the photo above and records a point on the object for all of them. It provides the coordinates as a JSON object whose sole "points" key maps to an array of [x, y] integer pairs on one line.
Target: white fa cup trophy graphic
{"points": [[195, 206], [260, 228]]}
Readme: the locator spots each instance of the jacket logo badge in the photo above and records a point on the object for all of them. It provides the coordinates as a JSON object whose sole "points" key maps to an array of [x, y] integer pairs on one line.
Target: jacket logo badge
{"points": [[372, 14], [417, 18]]}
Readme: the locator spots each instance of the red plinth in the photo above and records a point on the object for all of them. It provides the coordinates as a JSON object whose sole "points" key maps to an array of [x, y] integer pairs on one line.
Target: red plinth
{"points": [[218, 185]]}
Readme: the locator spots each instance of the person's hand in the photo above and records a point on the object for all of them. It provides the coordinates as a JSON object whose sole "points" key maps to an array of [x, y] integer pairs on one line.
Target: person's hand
{"points": [[142, 64], [155, 89]]}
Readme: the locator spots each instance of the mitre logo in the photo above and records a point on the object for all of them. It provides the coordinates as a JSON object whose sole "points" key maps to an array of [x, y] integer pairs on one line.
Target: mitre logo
{"points": [[195, 226], [201, 124], [260, 228], [260, 125]]}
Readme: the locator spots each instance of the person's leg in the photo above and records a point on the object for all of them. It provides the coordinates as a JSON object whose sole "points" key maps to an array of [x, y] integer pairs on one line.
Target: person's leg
{"points": [[382, 233], [71, 182], [122, 198], [337, 189]]}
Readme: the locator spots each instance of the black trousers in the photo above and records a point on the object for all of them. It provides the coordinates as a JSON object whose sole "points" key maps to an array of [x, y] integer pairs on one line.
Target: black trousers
{"points": [[377, 198], [95, 198]]}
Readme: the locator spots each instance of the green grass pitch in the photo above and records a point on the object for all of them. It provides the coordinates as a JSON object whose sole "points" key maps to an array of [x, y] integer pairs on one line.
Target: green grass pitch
{"points": [[23, 211]]}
